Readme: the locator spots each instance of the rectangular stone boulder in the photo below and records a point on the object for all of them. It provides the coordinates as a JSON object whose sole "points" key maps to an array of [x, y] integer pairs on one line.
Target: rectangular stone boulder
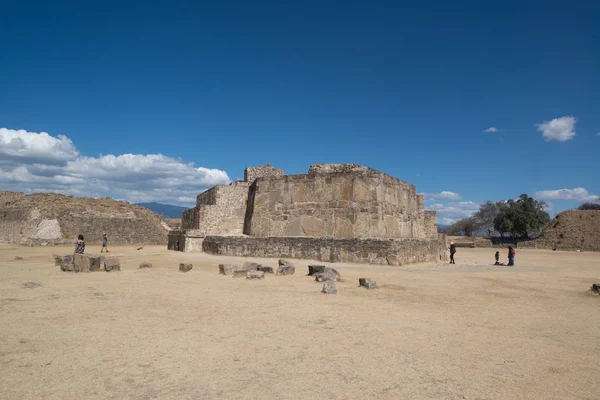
{"points": [[329, 274], [367, 283], [65, 262], [185, 267], [266, 270], [314, 269], [329, 288], [112, 264], [286, 270], [250, 266]]}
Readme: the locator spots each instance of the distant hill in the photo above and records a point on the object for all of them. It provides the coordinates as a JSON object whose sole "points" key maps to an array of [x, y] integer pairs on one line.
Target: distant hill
{"points": [[166, 210]]}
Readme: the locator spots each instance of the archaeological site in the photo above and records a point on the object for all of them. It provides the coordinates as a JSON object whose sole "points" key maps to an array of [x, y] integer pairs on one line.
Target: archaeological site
{"points": [[50, 219], [334, 213]]}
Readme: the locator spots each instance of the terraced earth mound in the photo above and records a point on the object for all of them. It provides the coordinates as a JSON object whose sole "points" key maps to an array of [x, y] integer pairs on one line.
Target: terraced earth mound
{"points": [[50, 218], [572, 230]]}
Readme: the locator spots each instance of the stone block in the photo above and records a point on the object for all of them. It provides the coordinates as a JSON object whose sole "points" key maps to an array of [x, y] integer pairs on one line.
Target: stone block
{"points": [[112, 264], [250, 266], [240, 273], [595, 288], [284, 262], [367, 283], [253, 274], [87, 263], [227, 269], [285, 270], [145, 265], [185, 267], [329, 274], [314, 269], [266, 270], [329, 288]]}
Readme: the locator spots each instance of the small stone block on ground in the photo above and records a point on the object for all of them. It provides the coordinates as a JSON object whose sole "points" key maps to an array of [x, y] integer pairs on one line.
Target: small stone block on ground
{"points": [[367, 283], [595, 288], [240, 273], [284, 263], [227, 269], [185, 267], [266, 270], [252, 274], [329, 288], [87, 263], [112, 264], [286, 270], [145, 265], [315, 269]]}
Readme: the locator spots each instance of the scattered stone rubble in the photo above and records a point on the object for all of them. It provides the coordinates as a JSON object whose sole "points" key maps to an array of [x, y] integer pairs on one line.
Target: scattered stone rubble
{"points": [[329, 274], [255, 274], [86, 263], [329, 288], [285, 267], [145, 265]]}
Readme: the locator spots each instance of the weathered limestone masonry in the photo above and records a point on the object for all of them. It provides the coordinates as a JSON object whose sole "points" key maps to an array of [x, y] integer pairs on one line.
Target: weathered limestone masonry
{"points": [[336, 212]]}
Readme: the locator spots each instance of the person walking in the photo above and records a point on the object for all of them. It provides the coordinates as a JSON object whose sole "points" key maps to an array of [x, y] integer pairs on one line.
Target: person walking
{"points": [[79, 245], [511, 256], [497, 256], [104, 243], [452, 251]]}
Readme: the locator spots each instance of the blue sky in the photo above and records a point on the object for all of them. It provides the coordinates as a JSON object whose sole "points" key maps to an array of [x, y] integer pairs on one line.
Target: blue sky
{"points": [[141, 90]]}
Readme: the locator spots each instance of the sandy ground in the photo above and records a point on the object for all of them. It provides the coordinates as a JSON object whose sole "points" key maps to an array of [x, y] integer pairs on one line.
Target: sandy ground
{"points": [[470, 331]]}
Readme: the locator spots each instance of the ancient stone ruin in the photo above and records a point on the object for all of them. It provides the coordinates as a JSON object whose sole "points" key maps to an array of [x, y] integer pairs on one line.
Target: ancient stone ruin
{"points": [[335, 212], [50, 218]]}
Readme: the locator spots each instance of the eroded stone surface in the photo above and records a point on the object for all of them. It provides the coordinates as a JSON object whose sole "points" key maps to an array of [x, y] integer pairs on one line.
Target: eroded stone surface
{"points": [[250, 266], [87, 263], [112, 264], [240, 273], [329, 288], [285, 270], [265, 269], [227, 269], [254, 274], [145, 265]]}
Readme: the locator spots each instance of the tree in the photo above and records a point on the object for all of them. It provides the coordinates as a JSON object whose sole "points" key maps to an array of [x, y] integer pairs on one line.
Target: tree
{"points": [[593, 205], [484, 217], [522, 217], [465, 226]]}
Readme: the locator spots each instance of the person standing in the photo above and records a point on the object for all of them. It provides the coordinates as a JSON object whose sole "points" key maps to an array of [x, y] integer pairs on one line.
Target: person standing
{"points": [[511, 256], [104, 243], [497, 256], [452, 251], [79, 245]]}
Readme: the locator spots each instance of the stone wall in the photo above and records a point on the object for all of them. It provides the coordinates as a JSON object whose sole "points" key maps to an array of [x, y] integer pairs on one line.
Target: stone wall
{"points": [[355, 250], [190, 240], [336, 168], [219, 211], [358, 202], [253, 173]]}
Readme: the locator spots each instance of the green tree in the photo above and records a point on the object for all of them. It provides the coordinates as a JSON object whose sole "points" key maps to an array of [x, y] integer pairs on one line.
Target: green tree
{"points": [[520, 218], [594, 205]]}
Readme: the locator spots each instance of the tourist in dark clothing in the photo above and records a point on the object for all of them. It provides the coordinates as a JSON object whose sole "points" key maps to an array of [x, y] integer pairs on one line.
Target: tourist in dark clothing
{"points": [[497, 256], [452, 251], [79, 245], [104, 243], [511, 256]]}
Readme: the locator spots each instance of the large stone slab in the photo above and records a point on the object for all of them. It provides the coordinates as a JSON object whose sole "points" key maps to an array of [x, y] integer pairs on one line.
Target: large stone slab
{"points": [[250, 266], [265, 269], [329, 274]]}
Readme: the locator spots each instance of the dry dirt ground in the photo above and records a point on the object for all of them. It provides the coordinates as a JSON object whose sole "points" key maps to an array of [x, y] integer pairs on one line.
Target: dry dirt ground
{"points": [[469, 331]]}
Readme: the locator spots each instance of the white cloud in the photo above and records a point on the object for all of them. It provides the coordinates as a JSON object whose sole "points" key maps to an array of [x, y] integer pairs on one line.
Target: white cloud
{"points": [[444, 195], [452, 212], [598, 134], [33, 162], [491, 129], [32, 147], [579, 194], [559, 129]]}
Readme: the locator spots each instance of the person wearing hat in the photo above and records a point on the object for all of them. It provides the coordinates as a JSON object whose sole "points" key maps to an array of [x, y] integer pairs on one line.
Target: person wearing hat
{"points": [[452, 251], [104, 243]]}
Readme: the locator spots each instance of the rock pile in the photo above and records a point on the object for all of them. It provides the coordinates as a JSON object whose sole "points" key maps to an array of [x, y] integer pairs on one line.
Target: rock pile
{"points": [[86, 263], [185, 267]]}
